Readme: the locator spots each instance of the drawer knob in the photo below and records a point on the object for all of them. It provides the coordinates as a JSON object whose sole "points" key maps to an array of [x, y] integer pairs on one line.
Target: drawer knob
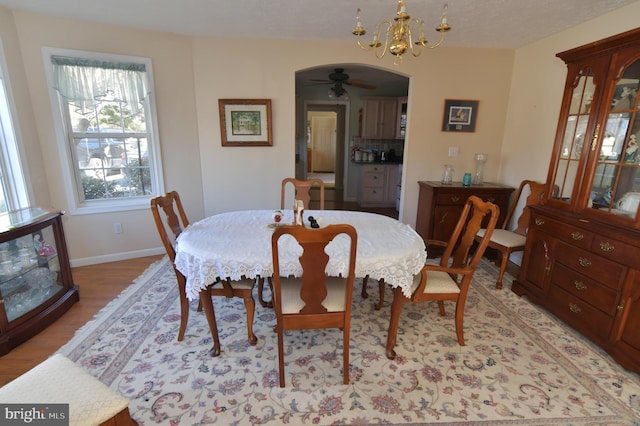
{"points": [[605, 246], [574, 308], [375, 177], [491, 199], [455, 199], [620, 307], [584, 262], [577, 236], [580, 285], [539, 221]]}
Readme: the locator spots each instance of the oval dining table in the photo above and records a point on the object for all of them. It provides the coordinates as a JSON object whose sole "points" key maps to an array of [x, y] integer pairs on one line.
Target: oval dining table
{"points": [[237, 244]]}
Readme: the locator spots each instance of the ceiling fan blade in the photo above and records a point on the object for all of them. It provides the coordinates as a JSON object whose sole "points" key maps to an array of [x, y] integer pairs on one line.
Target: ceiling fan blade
{"points": [[360, 84], [321, 81]]}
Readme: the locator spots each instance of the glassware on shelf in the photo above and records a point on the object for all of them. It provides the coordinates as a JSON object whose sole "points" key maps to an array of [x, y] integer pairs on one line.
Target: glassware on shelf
{"points": [[466, 179], [481, 159], [447, 176]]}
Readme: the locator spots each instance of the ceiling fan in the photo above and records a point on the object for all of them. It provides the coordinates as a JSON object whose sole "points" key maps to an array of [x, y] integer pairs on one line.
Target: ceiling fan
{"points": [[339, 77]]}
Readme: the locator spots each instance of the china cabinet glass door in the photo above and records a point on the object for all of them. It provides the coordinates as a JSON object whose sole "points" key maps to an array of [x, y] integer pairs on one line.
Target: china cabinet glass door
{"points": [[615, 186], [573, 143], [29, 272]]}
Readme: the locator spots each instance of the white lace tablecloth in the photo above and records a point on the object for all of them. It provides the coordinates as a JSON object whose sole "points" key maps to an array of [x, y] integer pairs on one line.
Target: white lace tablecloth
{"points": [[238, 244]]}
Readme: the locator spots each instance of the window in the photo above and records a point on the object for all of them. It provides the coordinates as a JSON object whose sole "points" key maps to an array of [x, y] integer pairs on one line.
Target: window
{"points": [[108, 135], [13, 184]]}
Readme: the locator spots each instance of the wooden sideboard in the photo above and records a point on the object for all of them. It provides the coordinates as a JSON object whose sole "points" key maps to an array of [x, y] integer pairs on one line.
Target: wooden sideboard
{"points": [[588, 274], [440, 205]]}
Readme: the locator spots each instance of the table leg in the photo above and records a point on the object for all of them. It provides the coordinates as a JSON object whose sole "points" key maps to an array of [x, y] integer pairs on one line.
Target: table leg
{"points": [[207, 305], [396, 309]]}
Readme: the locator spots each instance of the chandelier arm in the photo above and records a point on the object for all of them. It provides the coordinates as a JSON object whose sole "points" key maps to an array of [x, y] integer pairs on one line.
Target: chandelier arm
{"points": [[415, 51], [376, 47], [433, 46], [363, 46]]}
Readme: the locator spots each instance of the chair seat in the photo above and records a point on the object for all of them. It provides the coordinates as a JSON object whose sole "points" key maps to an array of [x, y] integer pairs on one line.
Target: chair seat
{"points": [[505, 238], [437, 282], [245, 284], [292, 303]]}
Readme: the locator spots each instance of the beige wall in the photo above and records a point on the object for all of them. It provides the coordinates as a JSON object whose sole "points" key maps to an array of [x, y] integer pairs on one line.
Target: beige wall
{"points": [[266, 69], [90, 238], [191, 74], [536, 94]]}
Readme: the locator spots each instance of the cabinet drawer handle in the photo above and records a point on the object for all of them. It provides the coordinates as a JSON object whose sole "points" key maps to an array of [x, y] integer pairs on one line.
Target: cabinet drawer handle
{"points": [[577, 236], [584, 262], [605, 246], [375, 177], [455, 199], [539, 221], [580, 285], [574, 308], [491, 199]]}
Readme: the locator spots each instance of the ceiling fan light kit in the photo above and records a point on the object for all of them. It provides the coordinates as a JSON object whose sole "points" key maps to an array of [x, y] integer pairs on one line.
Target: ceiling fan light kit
{"points": [[398, 34], [339, 78]]}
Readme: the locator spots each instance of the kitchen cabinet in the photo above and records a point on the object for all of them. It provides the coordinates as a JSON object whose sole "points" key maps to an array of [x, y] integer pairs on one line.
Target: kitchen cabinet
{"points": [[379, 118], [440, 206], [581, 257], [378, 183], [36, 285]]}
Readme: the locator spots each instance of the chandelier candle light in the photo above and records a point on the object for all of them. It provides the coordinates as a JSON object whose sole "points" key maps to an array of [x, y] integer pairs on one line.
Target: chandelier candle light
{"points": [[398, 35]]}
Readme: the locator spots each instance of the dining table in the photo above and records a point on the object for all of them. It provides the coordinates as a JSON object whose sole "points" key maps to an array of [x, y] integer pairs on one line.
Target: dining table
{"points": [[237, 244]]}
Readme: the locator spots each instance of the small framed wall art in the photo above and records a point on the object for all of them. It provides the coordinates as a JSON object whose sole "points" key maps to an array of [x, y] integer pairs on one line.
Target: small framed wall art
{"points": [[245, 122], [460, 115]]}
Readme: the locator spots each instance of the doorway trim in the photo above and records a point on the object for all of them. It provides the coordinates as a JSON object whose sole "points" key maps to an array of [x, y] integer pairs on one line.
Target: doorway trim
{"points": [[341, 108]]}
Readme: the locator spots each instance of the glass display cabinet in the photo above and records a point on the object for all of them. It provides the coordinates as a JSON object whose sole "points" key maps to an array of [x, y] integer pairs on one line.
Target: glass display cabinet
{"points": [[581, 258], [36, 286]]}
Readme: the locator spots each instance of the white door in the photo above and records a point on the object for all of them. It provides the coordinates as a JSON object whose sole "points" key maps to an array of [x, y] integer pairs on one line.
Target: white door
{"points": [[323, 143]]}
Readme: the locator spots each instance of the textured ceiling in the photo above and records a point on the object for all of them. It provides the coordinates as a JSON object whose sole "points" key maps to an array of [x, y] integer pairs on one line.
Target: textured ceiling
{"points": [[476, 23]]}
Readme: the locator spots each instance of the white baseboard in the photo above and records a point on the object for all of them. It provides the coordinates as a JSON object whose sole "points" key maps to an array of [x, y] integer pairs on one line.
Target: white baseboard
{"points": [[116, 257]]}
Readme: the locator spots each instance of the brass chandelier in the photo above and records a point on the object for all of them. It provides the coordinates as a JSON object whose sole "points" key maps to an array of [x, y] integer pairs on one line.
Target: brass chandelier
{"points": [[398, 34]]}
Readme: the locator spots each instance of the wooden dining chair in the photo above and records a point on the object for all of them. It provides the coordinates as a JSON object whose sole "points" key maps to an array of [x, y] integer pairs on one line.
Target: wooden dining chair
{"points": [[507, 241], [175, 220], [450, 279], [302, 191], [314, 300]]}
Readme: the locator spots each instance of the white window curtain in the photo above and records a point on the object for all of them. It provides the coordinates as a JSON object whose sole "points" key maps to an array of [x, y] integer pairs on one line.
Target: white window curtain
{"points": [[84, 82]]}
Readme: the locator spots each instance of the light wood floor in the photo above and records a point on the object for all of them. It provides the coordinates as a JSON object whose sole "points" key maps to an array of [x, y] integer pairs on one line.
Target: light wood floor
{"points": [[98, 285]]}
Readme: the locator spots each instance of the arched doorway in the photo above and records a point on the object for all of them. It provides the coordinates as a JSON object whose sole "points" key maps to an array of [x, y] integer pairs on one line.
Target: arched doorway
{"points": [[313, 94]]}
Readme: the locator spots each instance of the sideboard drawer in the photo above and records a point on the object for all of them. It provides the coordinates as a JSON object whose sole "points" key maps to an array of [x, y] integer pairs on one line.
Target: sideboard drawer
{"points": [[597, 295], [579, 314], [574, 236], [616, 250], [598, 268], [451, 199]]}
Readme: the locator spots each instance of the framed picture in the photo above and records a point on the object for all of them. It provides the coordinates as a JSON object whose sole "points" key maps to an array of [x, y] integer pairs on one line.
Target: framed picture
{"points": [[245, 122], [460, 116]]}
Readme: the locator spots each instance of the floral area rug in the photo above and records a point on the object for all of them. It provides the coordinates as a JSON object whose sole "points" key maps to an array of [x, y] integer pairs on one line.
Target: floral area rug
{"points": [[520, 365]]}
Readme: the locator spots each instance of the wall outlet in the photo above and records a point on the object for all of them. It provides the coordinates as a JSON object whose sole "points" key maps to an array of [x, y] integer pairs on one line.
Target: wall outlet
{"points": [[453, 151], [117, 228]]}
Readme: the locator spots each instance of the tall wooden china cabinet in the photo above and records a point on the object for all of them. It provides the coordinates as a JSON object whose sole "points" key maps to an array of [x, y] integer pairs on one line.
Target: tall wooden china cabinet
{"points": [[582, 258]]}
